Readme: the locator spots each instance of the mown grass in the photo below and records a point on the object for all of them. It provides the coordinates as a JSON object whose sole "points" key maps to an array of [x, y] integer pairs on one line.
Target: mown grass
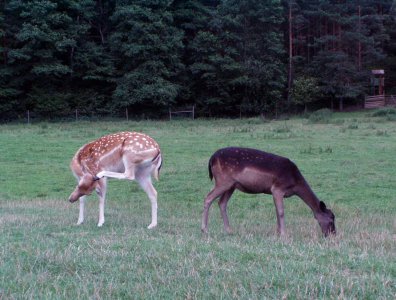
{"points": [[348, 160]]}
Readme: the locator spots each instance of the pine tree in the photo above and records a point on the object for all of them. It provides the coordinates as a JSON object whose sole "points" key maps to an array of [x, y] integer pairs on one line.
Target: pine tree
{"points": [[11, 81], [193, 17], [236, 65], [214, 65], [44, 37], [389, 62], [147, 48], [93, 64], [254, 28], [344, 44]]}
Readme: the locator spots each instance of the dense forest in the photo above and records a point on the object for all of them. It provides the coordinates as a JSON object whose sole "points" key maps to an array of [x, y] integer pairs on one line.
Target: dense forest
{"points": [[226, 57]]}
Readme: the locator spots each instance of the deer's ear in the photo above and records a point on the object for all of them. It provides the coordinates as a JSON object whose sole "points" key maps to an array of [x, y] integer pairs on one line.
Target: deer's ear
{"points": [[322, 206]]}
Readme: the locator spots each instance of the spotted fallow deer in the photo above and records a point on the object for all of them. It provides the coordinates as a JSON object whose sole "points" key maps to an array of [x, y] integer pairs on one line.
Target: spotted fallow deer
{"points": [[253, 171], [123, 155]]}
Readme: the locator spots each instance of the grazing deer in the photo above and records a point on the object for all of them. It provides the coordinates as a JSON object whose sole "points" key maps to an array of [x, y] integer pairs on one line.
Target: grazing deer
{"points": [[253, 171], [124, 155]]}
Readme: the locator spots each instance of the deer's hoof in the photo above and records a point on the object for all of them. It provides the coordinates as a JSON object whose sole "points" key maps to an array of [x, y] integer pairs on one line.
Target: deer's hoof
{"points": [[229, 230], [152, 225]]}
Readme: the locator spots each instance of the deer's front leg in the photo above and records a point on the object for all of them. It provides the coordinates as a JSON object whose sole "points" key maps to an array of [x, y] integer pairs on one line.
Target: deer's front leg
{"points": [[278, 200], [81, 211]]}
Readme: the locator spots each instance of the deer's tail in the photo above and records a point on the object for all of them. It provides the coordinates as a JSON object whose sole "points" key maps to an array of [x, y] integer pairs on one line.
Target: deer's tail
{"points": [[157, 163], [210, 168]]}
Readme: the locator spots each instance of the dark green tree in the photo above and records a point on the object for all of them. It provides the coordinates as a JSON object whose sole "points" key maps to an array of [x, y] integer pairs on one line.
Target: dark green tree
{"points": [[213, 69], [305, 91], [389, 62], [256, 30], [147, 49], [44, 37], [12, 73], [93, 64], [343, 41], [225, 56], [193, 17], [236, 61]]}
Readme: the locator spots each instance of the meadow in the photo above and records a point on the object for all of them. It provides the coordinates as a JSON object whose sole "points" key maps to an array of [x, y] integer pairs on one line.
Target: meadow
{"points": [[349, 159]]}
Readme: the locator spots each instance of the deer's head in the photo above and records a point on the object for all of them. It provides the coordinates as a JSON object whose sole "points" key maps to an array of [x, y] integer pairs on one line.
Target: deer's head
{"points": [[326, 220], [85, 186]]}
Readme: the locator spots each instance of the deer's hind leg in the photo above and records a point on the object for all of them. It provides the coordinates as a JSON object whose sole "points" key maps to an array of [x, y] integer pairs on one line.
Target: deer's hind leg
{"points": [[144, 179], [129, 166], [217, 191], [101, 192], [223, 208]]}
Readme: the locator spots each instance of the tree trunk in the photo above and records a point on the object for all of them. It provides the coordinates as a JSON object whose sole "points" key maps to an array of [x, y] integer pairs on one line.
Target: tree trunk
{"points": [[290, 78], [359, 43]]}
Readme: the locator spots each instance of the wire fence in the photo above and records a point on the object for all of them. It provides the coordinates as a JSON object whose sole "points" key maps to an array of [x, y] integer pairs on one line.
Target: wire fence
{"points": [[172, 113], [31, 116]]}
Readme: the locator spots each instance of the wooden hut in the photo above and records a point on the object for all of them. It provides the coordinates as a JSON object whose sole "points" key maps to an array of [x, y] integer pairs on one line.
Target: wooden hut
{"points": [[377, 88]]}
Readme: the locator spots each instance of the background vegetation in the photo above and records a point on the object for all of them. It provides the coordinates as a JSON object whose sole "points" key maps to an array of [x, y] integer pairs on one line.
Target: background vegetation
{"points": [[347, 159], [225, 56]]}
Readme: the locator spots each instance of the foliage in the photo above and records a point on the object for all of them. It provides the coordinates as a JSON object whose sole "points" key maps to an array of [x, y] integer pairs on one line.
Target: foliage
{"points": [[227, 57], [342, 41], [384, 112], [321, 116], [147, 47], [305, 90]]}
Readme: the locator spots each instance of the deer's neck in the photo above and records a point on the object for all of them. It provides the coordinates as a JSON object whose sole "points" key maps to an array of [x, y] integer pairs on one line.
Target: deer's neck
{"points": [[305, 192]]}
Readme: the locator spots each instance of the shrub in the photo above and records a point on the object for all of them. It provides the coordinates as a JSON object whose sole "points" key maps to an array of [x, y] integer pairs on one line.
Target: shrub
{"points": [[353, 126], [384, 112], [321, 116]]}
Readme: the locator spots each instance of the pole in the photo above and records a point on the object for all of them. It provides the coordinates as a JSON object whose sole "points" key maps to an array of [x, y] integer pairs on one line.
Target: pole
{"points": [[28, 116]]}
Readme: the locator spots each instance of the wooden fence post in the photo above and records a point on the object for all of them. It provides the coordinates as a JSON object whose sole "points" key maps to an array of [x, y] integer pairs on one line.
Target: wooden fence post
{"points": [[28, 116]]}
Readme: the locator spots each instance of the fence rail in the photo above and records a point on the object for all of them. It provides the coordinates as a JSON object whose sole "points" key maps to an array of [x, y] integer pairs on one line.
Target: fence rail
{"points": [[182, 111]]}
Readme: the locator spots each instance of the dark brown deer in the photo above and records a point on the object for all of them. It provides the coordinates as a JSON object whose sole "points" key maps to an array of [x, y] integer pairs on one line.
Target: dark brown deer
{"points": [[123, 155], [254, 171]]}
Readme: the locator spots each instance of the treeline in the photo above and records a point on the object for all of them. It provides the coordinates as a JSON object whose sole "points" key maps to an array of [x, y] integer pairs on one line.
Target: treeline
{"points": [[225, 57]]}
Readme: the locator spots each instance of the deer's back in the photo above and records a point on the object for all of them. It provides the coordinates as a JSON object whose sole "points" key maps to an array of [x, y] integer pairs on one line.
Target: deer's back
{"points": [[254, 171]]}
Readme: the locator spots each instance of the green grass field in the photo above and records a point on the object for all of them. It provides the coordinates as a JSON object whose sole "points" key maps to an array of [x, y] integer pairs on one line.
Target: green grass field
{"points": [[349, 162]]}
